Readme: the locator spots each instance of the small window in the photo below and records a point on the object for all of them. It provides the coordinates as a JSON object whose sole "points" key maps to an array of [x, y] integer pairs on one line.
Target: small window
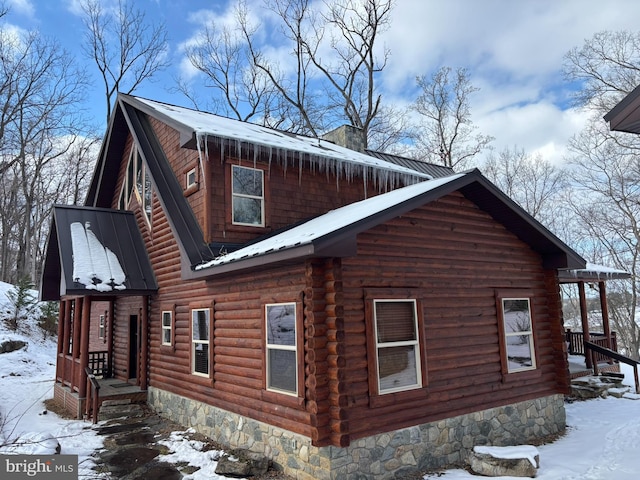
{"points": [[101, 326], [200, 342], [167, 327], [397, 345], [191, 179], [247, 196], [282, 353], [518, 334]]}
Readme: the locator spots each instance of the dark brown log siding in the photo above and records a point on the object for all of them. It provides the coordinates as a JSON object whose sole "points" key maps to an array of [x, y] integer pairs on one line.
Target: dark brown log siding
{"points": [[454, 256], [451, 253], [290, 196]]}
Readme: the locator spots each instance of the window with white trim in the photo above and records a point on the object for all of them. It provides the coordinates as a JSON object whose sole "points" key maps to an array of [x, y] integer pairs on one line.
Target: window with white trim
{"points": [[247, 196], [282, 352], [200, 356], [397, 345], [191, 179], [167, 327], [518, 334]]}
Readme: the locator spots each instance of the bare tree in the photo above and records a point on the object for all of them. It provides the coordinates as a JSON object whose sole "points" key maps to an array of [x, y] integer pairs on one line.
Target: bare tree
{"points": [[530, 180], [605, 199], [608, 65], [331, 78], [446, 132], [242, 90], [125, 47], [40, 88], [605, 169]]}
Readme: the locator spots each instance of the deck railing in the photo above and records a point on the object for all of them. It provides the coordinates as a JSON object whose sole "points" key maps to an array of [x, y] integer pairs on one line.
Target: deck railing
{"points": [[597, 351], [575, 342], [99, 364]]}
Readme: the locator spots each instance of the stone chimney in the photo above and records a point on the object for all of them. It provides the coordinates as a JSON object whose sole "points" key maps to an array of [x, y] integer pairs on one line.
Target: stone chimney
{"points": [[347, 136]]}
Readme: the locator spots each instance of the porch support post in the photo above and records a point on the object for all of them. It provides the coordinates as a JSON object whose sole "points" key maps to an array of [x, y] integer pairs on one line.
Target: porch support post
{"points": [[75, 347], [111, 321], [605, 313], [84, 345], [62, 321], [585, 322], [144, 334]]}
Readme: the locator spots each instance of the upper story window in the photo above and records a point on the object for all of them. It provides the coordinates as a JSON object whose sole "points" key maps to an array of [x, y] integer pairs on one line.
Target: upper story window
{"points": [[397, 345], [102, 326], [247, 192], [137, 182], [282, 351], [518, 350]]}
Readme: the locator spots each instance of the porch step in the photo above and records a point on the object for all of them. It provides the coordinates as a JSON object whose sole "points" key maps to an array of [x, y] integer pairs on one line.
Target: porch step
{"points": [[111, 409], [598, 386]]}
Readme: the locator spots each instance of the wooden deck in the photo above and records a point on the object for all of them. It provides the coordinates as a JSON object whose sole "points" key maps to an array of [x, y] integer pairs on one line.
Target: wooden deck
{"points": [[578, 367]]}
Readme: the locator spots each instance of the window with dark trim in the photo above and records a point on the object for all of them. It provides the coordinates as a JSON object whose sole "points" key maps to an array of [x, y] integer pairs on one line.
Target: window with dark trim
{"points": [[167, 327], [200, 348], [247, 196], [281, 348], [397, 345], [102, 326], [137, 182], [516, 331]]}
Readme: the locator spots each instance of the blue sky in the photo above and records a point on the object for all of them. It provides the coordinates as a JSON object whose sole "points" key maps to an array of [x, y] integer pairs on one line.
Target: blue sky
{"points": [[513, 49]]}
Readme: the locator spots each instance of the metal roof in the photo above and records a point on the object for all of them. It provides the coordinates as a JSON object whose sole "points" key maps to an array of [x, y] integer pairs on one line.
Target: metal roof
{"points": [[111, 233], [431, 169], [625, 116]]}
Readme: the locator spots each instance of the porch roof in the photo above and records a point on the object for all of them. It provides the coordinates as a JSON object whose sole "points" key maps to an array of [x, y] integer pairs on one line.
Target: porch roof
{"points": [[592, 273], [95, 251]]}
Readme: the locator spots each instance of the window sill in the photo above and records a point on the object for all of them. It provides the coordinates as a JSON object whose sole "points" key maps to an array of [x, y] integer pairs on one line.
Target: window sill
{"points": [[282, 399], [386, 399], [190, 190], [520, 376]]}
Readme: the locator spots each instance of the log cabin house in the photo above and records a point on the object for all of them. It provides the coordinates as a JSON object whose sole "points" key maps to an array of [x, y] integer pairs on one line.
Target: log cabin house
{"points": [[327, 307]]}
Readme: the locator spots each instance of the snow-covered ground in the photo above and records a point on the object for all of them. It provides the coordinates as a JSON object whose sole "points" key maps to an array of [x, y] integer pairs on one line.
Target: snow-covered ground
{"points": [[602, 440]]}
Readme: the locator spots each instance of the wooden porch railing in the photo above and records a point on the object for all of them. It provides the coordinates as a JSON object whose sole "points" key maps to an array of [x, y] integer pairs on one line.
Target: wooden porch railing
{"points": [[575, 342], [93, 396], [99, 364], [594, 349]]}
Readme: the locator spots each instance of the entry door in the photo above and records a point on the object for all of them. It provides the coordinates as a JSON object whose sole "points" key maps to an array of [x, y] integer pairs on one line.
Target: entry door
{"points": [[134, 346]]}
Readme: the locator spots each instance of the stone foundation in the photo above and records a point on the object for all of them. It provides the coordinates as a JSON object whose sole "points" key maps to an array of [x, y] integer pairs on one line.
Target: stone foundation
{"points": [[380, 457]]}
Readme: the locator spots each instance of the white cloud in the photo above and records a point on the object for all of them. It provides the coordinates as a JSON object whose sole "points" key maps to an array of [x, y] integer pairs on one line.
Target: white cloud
{"points": [[22, 7]]}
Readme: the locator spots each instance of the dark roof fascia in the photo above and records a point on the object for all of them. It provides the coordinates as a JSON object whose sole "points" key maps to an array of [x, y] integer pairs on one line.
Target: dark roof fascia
{"points": [[342, 242], [105, 174], [183, 222], [625, 116], [187, 134]]}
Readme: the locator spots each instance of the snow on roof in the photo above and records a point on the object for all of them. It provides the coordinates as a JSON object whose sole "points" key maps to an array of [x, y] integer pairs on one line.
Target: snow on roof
{"points": [[94, 265], [595, 271], [328, 155], [330, 222]]}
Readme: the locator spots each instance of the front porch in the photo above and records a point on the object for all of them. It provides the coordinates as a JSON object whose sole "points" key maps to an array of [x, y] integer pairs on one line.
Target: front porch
{"points": [[85, 377]]}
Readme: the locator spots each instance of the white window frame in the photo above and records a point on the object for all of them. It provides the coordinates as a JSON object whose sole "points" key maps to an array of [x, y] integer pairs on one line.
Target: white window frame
{"points": [[518, 333], [166, 328], [289, 348], [191, 178], [235, 195], [195, 343], [415, 343]]}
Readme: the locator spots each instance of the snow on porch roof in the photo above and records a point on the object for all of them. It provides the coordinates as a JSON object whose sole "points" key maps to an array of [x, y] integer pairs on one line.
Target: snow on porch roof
{"points": [[205, 125], [95, 251], [592, 273]]}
